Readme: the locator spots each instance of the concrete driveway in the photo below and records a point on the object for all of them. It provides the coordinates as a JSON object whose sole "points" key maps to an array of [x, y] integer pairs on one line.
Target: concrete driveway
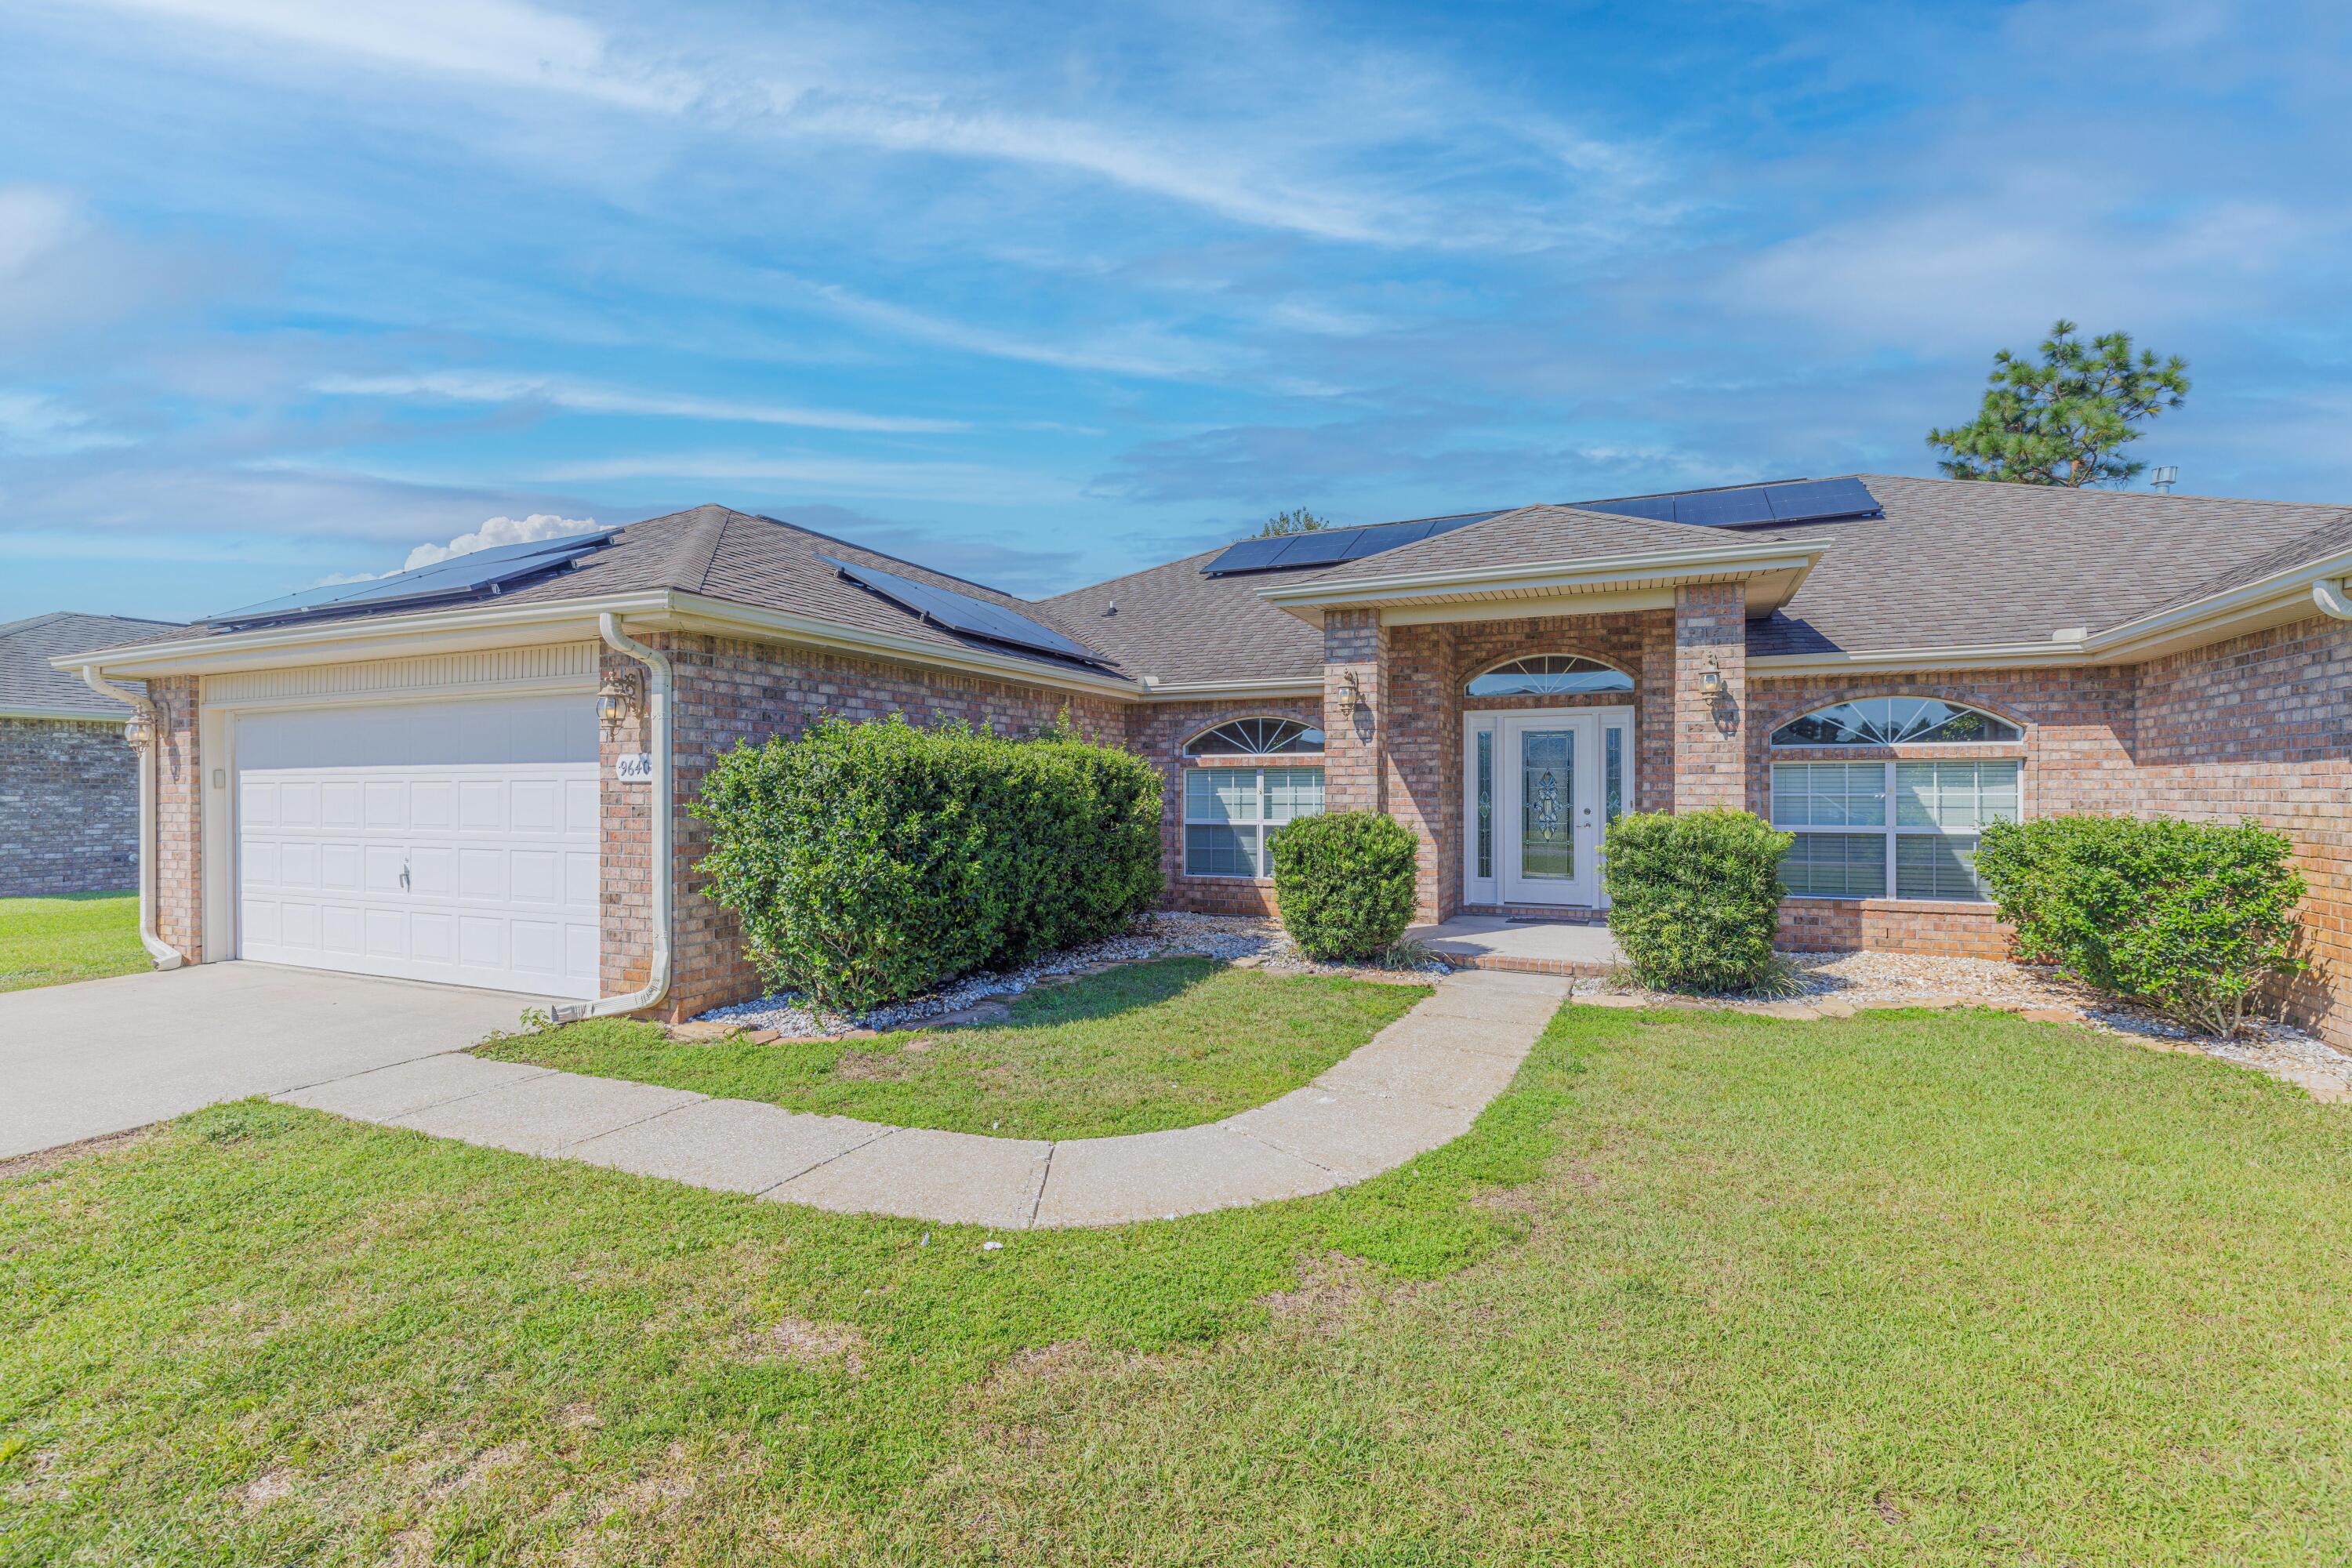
{"points": [[103, 1056]]}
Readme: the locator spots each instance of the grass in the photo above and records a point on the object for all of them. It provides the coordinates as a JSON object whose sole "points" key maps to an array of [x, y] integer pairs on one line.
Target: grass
{"points": [[1700, 1288], [80, 936], [1134, 1050]]}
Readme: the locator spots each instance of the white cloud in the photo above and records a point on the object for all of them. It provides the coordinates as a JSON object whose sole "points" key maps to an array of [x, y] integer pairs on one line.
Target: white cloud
{"points": [[496, 532], [33, 424], [1138, 351], [496, 386]]}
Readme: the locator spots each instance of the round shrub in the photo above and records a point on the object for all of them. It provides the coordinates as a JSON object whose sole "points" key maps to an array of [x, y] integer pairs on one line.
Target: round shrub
{"points": [[873, 861], [1695, 898], [1344, 882], [2193, 918]]}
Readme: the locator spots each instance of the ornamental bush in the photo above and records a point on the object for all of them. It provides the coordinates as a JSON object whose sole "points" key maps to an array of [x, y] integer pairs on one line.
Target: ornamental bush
{"points": [[2191, 918], [1344, 882], [1695, 898], [874, 861]]}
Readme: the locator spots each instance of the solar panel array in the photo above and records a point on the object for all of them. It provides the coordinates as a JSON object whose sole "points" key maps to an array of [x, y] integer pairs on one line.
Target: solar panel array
{"points": [[1329, 546], [1792, 501], [962, 613], [478, 574]]}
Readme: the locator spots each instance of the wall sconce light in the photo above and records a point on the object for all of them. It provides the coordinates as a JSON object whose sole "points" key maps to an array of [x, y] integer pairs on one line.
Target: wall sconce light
{"points": [[1710, 679], [138, 732], [1351, 697], [621, 696]]}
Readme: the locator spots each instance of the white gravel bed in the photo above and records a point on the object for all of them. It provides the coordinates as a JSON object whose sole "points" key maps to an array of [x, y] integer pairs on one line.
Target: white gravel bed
{"points": [[1161, 934]]}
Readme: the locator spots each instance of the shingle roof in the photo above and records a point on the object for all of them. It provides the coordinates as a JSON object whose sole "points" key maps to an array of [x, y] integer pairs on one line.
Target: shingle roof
{"points": [[1533, 534], [26, 681], [1175, 625], [1958, 563]]}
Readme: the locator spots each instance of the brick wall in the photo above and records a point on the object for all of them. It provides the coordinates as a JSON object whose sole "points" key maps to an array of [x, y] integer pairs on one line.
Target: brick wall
{"points": [[726, 690], [68, 808], [2261, 727], [1711, 753], [1158, 731], [179, 802], [1355, 646]]}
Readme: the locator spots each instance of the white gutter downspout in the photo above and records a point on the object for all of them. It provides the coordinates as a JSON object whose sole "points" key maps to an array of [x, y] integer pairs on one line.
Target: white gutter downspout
{"points": [[2331, 599], [657, 985], [165, 955]]}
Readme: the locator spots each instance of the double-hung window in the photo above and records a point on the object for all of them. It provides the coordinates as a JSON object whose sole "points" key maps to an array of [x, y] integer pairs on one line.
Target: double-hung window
{"points": [[1906, 826], [1232, 806]]}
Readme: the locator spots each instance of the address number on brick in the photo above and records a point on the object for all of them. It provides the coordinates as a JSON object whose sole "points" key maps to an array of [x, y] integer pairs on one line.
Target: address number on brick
{"points": [[634, 767]]}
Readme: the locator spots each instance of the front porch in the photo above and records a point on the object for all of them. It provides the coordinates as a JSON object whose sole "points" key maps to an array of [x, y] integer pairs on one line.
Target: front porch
{"points": [[1579, 948]]}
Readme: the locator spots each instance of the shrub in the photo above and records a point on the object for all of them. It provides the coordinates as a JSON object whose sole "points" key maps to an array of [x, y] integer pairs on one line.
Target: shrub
{"points": [[874, 861], [1344, 882], [1695, 898], [2191, 918]]}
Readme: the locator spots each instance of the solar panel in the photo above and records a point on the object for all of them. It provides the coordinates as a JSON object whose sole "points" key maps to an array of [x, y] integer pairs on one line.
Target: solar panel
{"points": [[1796, 500], [1325, 546], [1723, 509], [460, 576], [1818, 500], [961, 612]]}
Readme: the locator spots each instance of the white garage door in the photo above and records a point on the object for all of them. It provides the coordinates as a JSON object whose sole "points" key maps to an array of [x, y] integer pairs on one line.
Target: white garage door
{"points": [[451, 841]]}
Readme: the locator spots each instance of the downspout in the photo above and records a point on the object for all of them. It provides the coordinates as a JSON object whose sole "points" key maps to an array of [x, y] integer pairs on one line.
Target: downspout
{"points": [[661, 871], [165, 955], [2329, 595]]}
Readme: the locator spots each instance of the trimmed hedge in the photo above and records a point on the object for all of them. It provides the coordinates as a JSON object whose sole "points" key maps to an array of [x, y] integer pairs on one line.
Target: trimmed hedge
{"points": [[1695, 898], [874, 861], [2193, 918], [1343, 883]]}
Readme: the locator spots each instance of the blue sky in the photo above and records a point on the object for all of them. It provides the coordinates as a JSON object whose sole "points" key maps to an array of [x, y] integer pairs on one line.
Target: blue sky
{"points": [[1041, 295]]}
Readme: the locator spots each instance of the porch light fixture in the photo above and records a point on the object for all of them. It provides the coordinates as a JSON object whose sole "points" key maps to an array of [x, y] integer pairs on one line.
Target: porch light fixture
{"points": [[1351, 696], [621, 696], [137, 732], [1710, 679]]}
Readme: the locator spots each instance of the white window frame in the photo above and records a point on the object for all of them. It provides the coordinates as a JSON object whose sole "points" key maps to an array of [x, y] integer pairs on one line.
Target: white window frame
{"points": [[1889, 828], [1262, 824]]}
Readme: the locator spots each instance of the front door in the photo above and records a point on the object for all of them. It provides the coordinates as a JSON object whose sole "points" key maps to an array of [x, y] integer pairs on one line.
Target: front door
{"points": [[1549, 838]]}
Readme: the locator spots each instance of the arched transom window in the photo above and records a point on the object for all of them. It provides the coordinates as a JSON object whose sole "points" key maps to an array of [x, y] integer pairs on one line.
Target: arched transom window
{"points": [[1906, 825], [1549, 675], [1893, 721], [1232, 807], [1255, 738]]}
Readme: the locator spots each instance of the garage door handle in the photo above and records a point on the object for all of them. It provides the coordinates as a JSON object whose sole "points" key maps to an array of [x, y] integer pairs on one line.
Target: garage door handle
{"points": [[404, 874]]}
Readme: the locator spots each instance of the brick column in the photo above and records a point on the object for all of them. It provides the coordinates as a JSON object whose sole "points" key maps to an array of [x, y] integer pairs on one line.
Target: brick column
{"points": [[624, 850], [179, 815], [1710, 740], [1354, 775]]}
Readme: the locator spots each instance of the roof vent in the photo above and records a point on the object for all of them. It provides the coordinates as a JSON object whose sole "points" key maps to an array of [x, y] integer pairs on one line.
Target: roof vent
{"points": [[2162, 481]]}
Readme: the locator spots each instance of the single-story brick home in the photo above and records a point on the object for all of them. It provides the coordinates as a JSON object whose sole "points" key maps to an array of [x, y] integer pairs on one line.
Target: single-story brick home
{"points": [[477, 772], [68, 786]]}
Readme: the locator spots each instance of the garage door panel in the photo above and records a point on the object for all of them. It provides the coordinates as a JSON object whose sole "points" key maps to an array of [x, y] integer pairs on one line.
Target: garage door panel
{"points": [[491, 810]]}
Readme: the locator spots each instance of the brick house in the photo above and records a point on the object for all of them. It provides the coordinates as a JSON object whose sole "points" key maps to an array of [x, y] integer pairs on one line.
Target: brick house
{"points": [[68, 786], [472, 775]]}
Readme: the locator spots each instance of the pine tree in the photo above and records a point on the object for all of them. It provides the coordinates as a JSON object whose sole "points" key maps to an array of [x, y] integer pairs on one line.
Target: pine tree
{"points": [[2065, 420], [1299, 521]]}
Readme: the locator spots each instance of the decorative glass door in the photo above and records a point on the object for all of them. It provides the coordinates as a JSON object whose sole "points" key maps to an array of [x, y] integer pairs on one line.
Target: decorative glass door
{"points": [[1543, 787]]}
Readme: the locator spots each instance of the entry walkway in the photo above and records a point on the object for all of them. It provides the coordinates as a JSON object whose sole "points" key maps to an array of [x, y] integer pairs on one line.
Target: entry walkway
{"points": [[1418, 1084]]}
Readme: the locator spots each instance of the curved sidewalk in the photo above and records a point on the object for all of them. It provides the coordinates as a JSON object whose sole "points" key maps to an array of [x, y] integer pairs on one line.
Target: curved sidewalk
{"points": [[1417, 1084]]}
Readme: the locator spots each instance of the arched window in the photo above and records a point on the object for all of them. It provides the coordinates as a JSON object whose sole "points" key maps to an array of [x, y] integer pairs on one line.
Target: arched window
{"points": [[1549, 675], [1255, 738], [1907, 825], [1893, 721], [1231, 806]]}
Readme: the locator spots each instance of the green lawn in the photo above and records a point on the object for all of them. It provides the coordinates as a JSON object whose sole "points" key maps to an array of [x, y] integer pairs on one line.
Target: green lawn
{"points": [[83, 936], [1700, 1288], [1134, 1050]]}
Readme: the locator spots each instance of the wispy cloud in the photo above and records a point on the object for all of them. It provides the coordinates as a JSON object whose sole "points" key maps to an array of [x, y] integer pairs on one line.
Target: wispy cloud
{"points": [[555, 392], [32, 423], [970, 482], [1139, 351]]}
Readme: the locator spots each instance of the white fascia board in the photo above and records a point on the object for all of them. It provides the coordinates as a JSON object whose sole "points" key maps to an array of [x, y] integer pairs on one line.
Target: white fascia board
{"points": [[1204, 691], [1586, 575]]}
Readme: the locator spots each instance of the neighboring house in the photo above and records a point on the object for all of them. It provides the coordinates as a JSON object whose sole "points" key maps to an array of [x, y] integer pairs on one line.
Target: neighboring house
{"points": [[68, 786], [410, 777]]}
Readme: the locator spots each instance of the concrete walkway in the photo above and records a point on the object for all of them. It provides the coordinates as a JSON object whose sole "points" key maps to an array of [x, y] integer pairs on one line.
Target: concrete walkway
{"points": [[1531, 946], [1418, 1084], [104, 1055]]}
